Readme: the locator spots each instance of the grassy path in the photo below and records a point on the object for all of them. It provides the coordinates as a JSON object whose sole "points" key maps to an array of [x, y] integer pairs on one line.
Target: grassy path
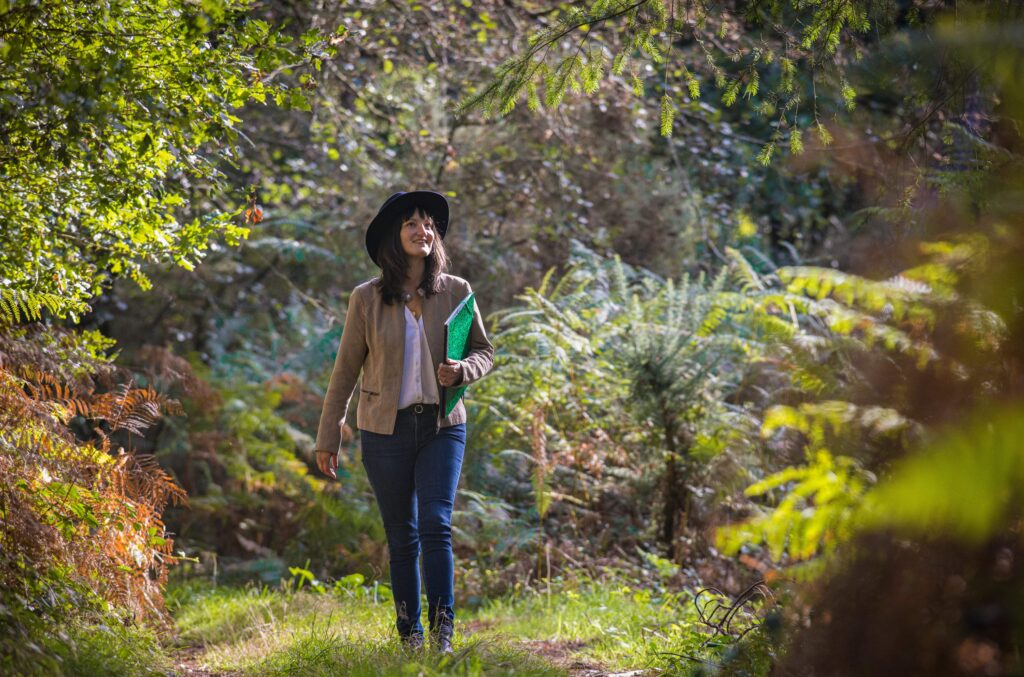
{"points": [[585, 632], [563, 657]]}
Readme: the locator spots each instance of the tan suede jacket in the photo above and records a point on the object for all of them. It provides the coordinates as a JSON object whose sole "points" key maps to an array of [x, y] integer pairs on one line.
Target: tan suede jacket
{"points": [[373, 340]]}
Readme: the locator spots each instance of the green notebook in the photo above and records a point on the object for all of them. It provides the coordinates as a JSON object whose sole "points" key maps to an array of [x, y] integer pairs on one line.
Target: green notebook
{"points": [[456, 342]]}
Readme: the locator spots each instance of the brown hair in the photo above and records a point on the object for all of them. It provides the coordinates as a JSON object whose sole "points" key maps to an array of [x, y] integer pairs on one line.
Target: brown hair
{"points": [[394, 264]]}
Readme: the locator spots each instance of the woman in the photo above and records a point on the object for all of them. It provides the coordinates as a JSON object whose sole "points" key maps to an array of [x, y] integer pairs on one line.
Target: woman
{"points": [[412, 452]]}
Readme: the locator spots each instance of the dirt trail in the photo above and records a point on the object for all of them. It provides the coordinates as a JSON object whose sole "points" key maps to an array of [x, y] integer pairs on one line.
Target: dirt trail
{"points": [[558, 652], [188, 661], [561, 654]]}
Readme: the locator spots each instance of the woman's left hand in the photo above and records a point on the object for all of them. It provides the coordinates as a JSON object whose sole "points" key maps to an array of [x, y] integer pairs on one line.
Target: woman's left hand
{"points": [[449, 372]]}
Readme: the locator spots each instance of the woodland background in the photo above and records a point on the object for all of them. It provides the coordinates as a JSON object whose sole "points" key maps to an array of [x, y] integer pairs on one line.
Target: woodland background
{"points": [[751, 268]]}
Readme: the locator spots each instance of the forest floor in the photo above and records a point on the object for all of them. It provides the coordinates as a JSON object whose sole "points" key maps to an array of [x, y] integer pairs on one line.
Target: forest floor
{"points": [[561, 654], [597, 629]]}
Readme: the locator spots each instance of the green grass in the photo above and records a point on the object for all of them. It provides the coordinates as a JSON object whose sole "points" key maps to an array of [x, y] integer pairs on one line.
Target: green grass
{"points": [[624, 627], [77, 646], [260, 631], [601, 625], [607, 624], [110, 649], [65, 631], [618, 626], [320, 652]]}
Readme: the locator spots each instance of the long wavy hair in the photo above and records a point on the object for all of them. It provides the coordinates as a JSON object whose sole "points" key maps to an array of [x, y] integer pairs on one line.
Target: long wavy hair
{"points": [[394, 264]]}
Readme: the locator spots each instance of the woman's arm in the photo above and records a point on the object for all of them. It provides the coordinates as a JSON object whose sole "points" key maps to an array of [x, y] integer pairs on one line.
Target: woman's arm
{"points": [[481, 353], [347, 365]]}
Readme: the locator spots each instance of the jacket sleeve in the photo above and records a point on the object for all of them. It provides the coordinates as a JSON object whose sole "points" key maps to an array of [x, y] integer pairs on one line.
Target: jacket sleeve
{"points": [[347, 365], [481, 353]]}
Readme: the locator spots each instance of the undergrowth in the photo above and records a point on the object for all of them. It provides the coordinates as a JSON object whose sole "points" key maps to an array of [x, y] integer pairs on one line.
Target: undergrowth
{"points": [[70, 631], [307, 627], [348, 629]]}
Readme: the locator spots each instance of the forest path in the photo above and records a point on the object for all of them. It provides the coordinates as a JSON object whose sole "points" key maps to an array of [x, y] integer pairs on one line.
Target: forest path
{"points": [[564, 654], [561, 654], [601, 630], [189, 661]]}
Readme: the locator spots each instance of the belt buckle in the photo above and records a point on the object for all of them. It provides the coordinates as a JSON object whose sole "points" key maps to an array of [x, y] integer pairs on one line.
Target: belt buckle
{"points": [[418, 409]]}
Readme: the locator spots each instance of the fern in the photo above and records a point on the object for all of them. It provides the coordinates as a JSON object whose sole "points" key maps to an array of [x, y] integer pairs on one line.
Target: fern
{"points": [[830, 422], [818, 503], [22, 305], [130, 409], [814, 515], [609, 347], [966, 483], [80, 508]]}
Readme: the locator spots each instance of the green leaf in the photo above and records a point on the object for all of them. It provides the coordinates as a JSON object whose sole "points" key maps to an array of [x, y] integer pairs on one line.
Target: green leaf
{"points": [[966, 485], [667, 115], [824, 137], [849, 95], [765, 156], [532, 99], [693, 87], [796, 144], [731, 92], [637, 84]]}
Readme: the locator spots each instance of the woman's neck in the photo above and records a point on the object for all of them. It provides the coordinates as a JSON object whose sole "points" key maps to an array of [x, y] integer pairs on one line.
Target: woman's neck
{"points": [[414, 273]]}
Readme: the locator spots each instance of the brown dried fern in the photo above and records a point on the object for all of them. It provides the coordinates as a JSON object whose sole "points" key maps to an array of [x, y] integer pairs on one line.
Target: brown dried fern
{"points": [[72, 504]]}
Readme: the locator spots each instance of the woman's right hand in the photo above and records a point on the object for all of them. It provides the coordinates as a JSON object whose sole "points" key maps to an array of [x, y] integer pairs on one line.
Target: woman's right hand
{"points": [[327, 462]]}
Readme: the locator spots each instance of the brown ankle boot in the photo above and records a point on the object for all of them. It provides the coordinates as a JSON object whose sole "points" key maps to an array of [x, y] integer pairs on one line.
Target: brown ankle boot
{"points": [[442, 633], [413, 641]]}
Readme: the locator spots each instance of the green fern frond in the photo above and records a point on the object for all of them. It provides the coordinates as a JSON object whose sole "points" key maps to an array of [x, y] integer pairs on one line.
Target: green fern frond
{"points": [[17, 305]]}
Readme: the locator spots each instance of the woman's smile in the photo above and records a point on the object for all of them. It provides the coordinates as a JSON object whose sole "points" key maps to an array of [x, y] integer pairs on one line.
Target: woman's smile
{"points": [[423, 244]]}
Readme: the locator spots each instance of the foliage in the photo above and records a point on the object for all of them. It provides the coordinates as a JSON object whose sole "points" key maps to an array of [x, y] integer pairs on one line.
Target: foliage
{"points": [[781, 58], [965, 485], [247, 468], [679, 359], [57, 627], [16, 305], [630, 377], [946, 506], [320, 175], [84, 547], [115, 114], [78, 508], [820, 501], [789, 45], [814, 506]]}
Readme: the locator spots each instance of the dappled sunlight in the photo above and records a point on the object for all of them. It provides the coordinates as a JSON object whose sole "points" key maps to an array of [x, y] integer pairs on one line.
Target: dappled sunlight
{"points": [[741, 386]]}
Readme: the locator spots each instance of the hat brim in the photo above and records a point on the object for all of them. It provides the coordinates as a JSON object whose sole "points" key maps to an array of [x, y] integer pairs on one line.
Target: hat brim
{"points": [[433, 203]]}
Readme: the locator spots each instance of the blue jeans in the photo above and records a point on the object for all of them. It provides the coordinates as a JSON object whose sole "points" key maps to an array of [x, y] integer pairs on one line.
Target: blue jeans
{"points": [[414, 472]]}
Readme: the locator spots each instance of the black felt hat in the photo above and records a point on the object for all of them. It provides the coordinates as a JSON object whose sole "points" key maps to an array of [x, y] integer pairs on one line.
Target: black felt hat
{"points": [[427, 200]]}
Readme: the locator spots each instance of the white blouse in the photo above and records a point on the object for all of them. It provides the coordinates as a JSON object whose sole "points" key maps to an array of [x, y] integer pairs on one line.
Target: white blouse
{"points": [[418, 383]]}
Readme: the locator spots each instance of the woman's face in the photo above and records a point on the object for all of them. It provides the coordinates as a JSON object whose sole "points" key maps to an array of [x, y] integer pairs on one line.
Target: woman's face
{"points": [[417, 235]]}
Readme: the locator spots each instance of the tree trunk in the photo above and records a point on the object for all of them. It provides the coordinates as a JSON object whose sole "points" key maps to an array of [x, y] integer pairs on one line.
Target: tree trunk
{"points": [[674, 494]]}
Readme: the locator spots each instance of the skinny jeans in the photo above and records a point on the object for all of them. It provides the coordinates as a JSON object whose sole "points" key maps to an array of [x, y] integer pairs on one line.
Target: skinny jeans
{"points": [[414, 472]]}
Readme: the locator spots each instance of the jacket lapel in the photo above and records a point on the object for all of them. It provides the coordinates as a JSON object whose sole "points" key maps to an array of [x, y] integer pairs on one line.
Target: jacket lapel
{"points": [[394, 362], [433, 323]]}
